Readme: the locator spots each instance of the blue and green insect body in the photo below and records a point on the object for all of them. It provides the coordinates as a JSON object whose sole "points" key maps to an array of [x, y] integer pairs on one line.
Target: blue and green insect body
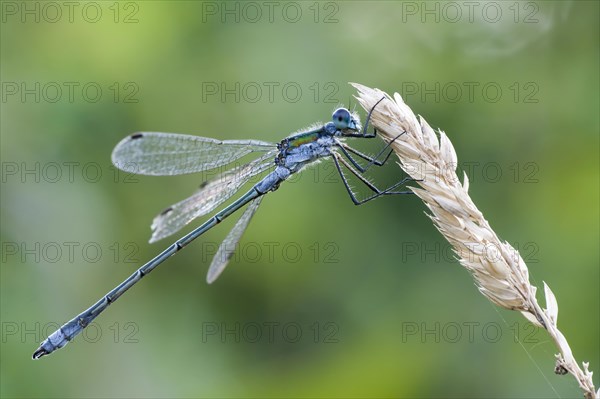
{"points": [[301, 149]]}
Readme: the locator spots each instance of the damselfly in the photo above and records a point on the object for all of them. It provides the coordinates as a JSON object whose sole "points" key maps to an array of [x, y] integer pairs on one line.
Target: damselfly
{"points": [[172, 154]]}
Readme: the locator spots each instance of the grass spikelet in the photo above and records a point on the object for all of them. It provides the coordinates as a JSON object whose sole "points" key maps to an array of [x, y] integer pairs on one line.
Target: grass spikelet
{"points": [[499, 271]]}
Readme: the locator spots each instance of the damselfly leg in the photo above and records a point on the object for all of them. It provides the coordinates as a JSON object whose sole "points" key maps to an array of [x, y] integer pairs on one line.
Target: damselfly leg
{"points": [[345, 149], [337, 159], [358, 170]]}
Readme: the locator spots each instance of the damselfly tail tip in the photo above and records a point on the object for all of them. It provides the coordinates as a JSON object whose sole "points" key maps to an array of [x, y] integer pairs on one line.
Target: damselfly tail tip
{"points": [[210, 278], [39, 353]]}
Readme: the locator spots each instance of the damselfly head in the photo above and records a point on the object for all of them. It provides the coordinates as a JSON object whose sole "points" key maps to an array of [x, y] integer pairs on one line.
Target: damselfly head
{"points": [[343, 120]]}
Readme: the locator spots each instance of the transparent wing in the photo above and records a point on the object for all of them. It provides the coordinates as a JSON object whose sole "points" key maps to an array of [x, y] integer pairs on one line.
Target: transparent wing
{"points": [[210, 195], [150, 153], [227, 247]]}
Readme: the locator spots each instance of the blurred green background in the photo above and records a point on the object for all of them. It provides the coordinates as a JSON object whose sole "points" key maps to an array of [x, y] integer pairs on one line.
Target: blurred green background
{"points": [[324, 299]]}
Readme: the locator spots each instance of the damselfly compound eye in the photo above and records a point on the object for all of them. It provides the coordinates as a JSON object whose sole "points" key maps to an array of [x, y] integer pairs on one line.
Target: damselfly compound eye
{"points": [[341, 118]]}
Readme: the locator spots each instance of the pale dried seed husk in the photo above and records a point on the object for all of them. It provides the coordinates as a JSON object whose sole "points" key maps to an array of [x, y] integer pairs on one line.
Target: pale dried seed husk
{"points": [[502, 275]]}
